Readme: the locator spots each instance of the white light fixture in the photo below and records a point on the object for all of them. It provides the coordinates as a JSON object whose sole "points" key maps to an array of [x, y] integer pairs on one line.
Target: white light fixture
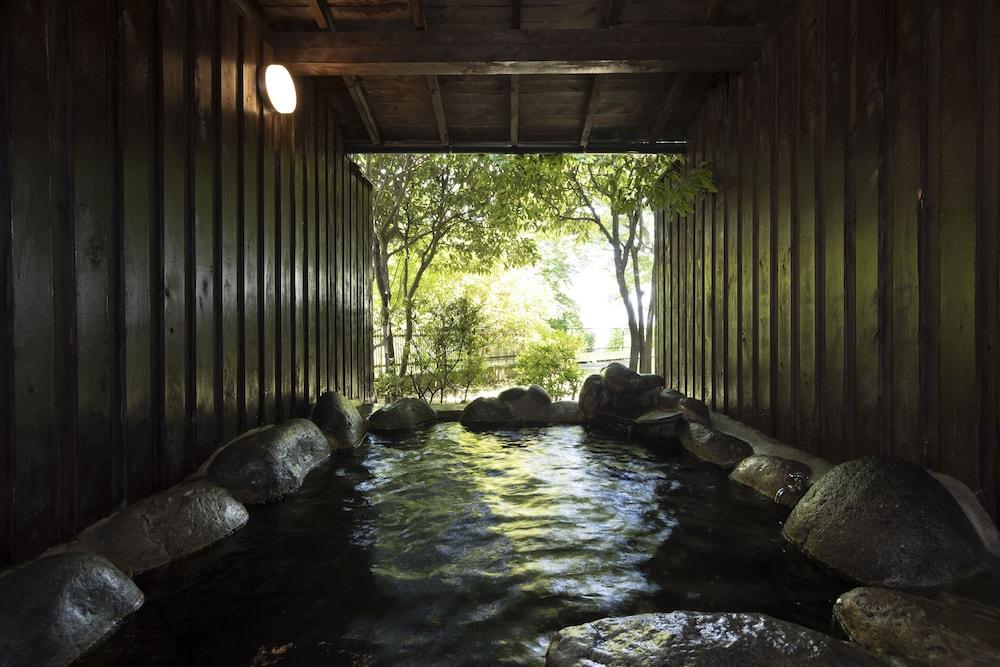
{"points": [[277, 88]]}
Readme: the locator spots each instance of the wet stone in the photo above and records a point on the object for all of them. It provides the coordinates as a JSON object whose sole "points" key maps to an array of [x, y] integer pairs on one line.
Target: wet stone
{"points": [[925, 540], [564, 412], [53, 609], [170, 525], [528, 405], [715, 447], [668, 399], [691, 638], [946, 630], [594, 396], [406, 414], [694, 410], [269, 463], [488, 412], [620, 379], [339, 420], [770, 477], [658, 425]]}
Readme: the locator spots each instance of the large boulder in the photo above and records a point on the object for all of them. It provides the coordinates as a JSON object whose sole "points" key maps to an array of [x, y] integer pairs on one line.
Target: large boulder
{"points": [[658, 425], [55, 608], [690, 639], [620, 379], [944, 631], [170, 525], [405, 414], [269, 463], [780, 479], [339, 420], [714, 446], [488, 412], [694, 411], [668, 399], [594, 396], [529, 405], [924, 539], [564, 412]]}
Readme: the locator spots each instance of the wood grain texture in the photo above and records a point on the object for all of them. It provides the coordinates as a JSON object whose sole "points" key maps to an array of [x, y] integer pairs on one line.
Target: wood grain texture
{"points": [[860, 237], [153, 217]]}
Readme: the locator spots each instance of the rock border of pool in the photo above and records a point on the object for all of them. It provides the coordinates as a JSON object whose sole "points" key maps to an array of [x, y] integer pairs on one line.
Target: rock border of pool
{"points": [[271, 462]]}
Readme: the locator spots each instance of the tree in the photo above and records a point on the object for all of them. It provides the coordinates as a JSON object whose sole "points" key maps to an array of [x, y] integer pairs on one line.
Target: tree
{"points": [[606, 196], [551, 363], [440, 210]]}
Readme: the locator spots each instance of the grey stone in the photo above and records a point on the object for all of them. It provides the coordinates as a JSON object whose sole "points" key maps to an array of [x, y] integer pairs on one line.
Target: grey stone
{"points": [[689, 639], [657, 425], [564, 412], [339, 420], [924, 539], [977, 515], [768, 476], [488, 412], [55, 608], [694, 410], [405, 414], [529, 405], [944, 631], [713, 446], [267, 464], [594, 396], [668, 399], [170, 525], [620, 379]]}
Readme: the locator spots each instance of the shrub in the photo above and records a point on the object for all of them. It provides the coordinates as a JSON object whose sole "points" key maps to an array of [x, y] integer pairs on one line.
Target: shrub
{"points": [[551, 363]]}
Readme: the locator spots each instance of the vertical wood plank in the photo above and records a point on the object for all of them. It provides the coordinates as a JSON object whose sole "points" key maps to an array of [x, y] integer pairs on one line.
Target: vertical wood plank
{"points": [[270, 286], [764, 233], [251, 224], [784, 230], [748, 243], [8, 448]]}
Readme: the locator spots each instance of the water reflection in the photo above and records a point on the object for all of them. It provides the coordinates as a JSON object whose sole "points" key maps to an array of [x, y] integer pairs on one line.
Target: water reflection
{"points": [[453, 547]]}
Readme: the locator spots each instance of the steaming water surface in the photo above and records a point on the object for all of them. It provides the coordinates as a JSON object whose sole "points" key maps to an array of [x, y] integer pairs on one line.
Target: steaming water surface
{"points": [[453, 547]]}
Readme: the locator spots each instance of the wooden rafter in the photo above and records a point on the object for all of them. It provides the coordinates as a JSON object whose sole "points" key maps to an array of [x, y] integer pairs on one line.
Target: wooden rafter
{"points": [[579, 51], [714, 11], [361, 104], [588, 115], [614, 13], [515, 111], [319, 16], [665, 109], [417, 7], [251, 14], [435, 90]]}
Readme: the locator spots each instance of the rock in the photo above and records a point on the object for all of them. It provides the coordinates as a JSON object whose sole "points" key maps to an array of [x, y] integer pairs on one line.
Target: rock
{"points": [[714, 446], [620, 379], [269, 463], [974, 511], [768, 475], [405, 414], [694, 410], [689, 638], [488, 412], [564, 412], [609, 424], [170, 525], [529, 405], [594, 396], [924, 539], [944, 631], [668, 399], [55, 608], [339, 420], [657, 425]]}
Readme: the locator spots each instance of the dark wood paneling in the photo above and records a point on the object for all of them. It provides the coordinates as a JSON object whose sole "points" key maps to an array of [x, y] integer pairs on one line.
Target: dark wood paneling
{"points": [[165, 242], [863, 243]]}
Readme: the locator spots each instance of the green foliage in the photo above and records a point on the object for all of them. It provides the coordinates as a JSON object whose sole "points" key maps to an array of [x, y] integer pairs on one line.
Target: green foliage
{"points": [[551, 363], [617, 340]]}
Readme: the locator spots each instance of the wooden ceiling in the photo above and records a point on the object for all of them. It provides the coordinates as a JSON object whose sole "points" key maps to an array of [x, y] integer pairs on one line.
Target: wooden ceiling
{"points": [[515, 75]]}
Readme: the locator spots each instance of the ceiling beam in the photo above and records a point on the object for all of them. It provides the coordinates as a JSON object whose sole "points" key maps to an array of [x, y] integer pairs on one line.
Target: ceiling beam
{"points": [[714, 11], [435, 90], [251, 14], [361, 104], [515, 104], [318, 15], [665, 109], [417, 7], [614, 13], [588, 114], [578, 51], [679, 147], [515, 14]]}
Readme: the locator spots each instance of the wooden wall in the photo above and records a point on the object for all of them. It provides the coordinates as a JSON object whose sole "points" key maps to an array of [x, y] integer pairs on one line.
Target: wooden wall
{"points": [[840, 291], [177, 264]]}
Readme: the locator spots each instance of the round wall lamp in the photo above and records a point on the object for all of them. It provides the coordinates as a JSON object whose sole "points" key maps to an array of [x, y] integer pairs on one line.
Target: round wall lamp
{"points": [[277, 88]]}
